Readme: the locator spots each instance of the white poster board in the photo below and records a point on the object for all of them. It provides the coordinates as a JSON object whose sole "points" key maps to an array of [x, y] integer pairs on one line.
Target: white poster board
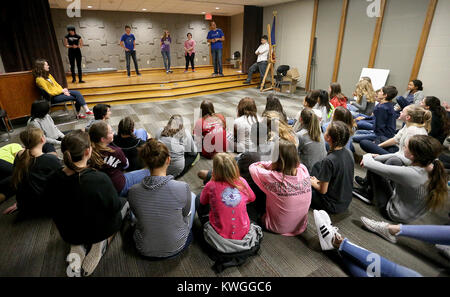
{"points": [[378, 76]]}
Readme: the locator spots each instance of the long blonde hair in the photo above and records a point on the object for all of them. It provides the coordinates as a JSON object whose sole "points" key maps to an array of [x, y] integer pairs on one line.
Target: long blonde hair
{"points": [[420, 117], [225, 169], [365, 88], [284, 130]]}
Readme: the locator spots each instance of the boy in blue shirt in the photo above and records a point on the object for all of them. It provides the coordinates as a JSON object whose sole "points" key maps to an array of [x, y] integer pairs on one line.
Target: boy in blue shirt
{"points": [[215, 38], [385, 118], [128, 42]]}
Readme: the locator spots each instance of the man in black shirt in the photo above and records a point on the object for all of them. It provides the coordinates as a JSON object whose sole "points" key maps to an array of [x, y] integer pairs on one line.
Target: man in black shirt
{"points": [[74, 43]]}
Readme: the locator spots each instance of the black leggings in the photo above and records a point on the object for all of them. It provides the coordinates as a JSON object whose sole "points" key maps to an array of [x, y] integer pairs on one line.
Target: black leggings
{"points": [[191, 60], [381, 190], [75, 54]]}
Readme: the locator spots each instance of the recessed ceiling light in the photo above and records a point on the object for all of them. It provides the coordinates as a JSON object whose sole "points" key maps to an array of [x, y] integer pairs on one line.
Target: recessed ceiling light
{"points": [[144, 9], [217, 7], [89, 6], [203, 12]]}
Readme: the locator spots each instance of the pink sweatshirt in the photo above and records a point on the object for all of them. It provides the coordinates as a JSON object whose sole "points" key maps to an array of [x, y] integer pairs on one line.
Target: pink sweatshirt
{"points": [[287, 200], [189, 44], [228, 208]]}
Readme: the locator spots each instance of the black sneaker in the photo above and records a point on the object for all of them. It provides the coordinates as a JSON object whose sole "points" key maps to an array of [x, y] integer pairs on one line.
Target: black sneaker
{"points": [[362, 195], [74, 80], [82, 82], [361, 181], [246, 82]]}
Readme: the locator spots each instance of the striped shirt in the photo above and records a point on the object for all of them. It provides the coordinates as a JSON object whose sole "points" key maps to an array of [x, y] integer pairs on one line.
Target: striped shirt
{"points": [[161, 206]]}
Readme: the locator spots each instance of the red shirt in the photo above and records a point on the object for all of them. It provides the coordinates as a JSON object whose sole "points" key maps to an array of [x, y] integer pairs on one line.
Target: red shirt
{"points": [[115, 163], [339, 102], [228, 208], [212, 129]]}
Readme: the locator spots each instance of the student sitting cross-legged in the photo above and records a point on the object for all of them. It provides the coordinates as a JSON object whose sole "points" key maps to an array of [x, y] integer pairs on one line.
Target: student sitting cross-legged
{"points": [[163, 207], [83, 204], [229, 229], [111, 159], [332, 178], [406, 193], [31, 171], [288, 188]]}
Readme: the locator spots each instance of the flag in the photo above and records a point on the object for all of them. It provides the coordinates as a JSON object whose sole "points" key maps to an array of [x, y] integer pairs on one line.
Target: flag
{"points": [[272, 33]]}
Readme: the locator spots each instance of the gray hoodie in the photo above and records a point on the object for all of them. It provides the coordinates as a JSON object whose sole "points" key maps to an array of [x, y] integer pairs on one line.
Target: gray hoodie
{"points": [[161, 206]]}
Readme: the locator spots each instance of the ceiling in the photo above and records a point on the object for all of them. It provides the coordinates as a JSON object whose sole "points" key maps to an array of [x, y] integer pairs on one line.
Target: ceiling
{"points": [[226, 7]]}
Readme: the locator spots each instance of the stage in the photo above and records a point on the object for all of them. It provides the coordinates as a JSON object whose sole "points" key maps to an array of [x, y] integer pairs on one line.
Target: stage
{"points": [[155, 85]]}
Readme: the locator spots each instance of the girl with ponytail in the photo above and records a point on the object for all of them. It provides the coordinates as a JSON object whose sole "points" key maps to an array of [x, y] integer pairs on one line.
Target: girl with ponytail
{"points": [[440, 124], [311, 147], [110, 159], [84, 204], [32, 169], [420, 187]]}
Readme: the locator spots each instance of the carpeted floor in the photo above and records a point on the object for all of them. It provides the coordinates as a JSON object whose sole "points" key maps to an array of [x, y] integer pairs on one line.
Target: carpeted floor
{"points": [[34, 247]]}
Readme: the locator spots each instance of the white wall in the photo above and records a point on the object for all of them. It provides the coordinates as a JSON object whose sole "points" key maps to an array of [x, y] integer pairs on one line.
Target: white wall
{"points": [[2, 69], [435, 69], [293, 33], [237, 29]]}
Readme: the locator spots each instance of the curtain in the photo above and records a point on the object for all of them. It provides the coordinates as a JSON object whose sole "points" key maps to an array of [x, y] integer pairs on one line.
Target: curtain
{"points": [[26, 34], [253, 28]]}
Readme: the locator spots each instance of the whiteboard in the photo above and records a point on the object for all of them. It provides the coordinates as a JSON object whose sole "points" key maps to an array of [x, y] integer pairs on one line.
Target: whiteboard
{"points": [[378, 76]]}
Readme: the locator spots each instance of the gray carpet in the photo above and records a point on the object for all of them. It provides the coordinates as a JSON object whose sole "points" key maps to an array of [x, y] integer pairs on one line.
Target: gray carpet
{"points": [[34, 247]]}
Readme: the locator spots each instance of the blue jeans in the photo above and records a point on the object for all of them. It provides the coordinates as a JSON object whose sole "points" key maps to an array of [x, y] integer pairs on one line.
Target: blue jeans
{"points": [[128, 55], [365, 124], [403, 102], [132, 178], [363, 134], [74, 96], [217, 60], [372, 147], [166, 59], [141, 134], [359, 262], [428, 233]]}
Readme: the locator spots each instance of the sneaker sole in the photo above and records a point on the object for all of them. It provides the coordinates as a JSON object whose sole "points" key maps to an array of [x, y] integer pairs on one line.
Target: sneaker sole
{"points": [[362, 198], [376, 232]]}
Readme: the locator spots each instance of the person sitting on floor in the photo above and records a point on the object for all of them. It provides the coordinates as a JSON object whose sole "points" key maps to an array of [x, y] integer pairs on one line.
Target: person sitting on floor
{"points": [[129, 143], [336, 96], [414, 95], [210, 132], [324, 105], [417, 122], [229, 229], [7, 155], [311, 144], [46, 82], [287, 185], [102, 112], [32, 168], [247, 116], [110, 159], [181, 145], [385, 118], [364, 103], [311, 101], [332, 178], [440, 123], [84, 205], [42, 120], [358, 261], [345, 116], [164, 208], [406, 193]]}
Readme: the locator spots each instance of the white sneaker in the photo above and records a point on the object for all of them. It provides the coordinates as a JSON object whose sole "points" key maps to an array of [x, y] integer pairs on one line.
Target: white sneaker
{"points": [[444, 250], [380, 228], [93, 257], [325, 230]]}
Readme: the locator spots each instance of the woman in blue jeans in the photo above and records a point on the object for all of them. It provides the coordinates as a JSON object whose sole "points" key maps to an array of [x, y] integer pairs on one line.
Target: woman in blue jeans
{"points": [[165, 50], [364, 263], [46, 83]]}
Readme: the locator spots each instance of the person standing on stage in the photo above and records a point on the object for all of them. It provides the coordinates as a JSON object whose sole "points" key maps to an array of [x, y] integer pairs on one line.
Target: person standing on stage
{"points": [[215, 38], [261, 63], [74, 43], [189, 52], [165, 50], [128, 42]]}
